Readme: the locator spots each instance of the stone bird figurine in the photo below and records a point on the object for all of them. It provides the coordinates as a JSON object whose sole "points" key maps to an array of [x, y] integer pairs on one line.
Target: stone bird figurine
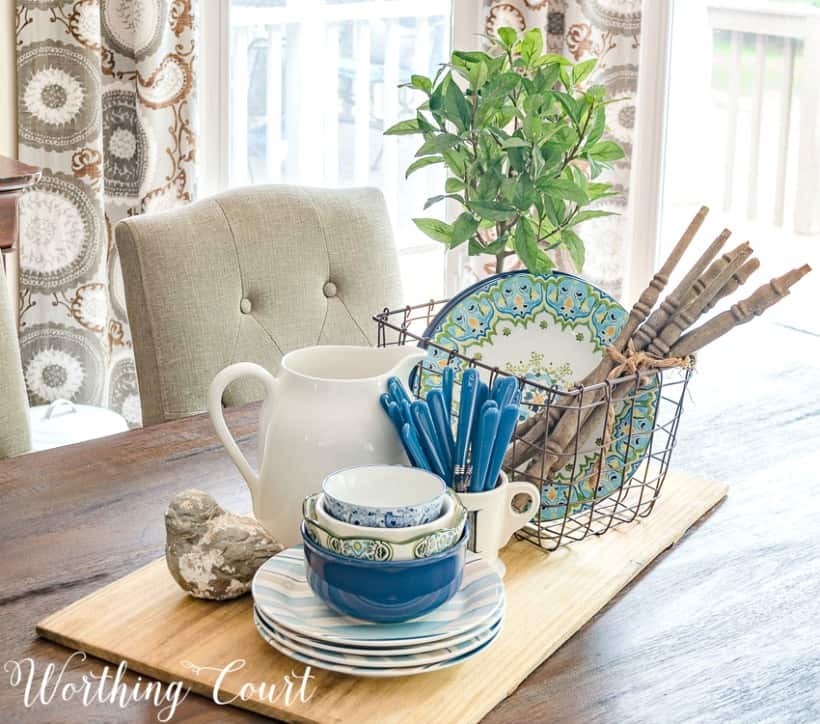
{"points": [[210, 552]]}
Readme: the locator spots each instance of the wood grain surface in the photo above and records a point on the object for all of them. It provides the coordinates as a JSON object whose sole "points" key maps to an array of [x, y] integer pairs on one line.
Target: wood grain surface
{"points": [[721, 628], [146, 620], [15, 175]]}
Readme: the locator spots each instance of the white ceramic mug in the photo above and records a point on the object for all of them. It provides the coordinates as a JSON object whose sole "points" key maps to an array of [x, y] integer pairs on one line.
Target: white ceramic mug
{"points": [[493, 520]]}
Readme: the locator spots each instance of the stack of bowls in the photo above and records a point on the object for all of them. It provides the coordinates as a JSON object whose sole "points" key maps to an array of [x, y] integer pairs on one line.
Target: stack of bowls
{"points": [[384, 584], [384, 543]]}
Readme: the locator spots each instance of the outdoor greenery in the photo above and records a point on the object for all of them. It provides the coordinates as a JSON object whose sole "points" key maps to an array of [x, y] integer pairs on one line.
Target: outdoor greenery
{"points": [[523, 143]]}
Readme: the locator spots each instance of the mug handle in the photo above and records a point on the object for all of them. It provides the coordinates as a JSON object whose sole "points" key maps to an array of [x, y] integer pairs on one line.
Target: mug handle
{"points": [[215, 392], [515, 520]]}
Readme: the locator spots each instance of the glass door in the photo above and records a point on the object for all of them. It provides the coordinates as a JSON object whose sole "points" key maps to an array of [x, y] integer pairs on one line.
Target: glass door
{"points": [[741, 136]]}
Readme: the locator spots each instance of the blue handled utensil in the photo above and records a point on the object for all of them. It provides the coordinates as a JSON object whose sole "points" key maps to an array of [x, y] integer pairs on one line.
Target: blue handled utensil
{"points": [[447, 379], [503, 391], [397, 391], [426, 432], [393, 412], [444, 433], [466, 411], [479, 411], [506, 426], [483, 444], [481, 396], [404, 409], [516, 398], [413, 448]]}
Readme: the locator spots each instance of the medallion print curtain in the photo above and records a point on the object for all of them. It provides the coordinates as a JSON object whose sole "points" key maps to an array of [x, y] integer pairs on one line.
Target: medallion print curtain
{"points": [[581, 29], [105, 106]]}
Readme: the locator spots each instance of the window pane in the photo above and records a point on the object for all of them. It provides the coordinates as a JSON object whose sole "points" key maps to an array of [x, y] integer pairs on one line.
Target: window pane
{"points": [[313, 87]]}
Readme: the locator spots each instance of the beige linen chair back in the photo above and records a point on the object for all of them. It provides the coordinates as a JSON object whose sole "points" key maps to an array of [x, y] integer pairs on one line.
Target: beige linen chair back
{"points": [[246, 276], [14, 426]]}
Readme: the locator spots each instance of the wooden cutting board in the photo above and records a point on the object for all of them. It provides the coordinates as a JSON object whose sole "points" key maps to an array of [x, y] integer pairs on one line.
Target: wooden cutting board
{"points": [[145, 620]]}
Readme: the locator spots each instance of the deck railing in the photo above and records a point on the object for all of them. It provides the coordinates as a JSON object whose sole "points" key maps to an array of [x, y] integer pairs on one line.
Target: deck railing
{"points": [[795, 28]]}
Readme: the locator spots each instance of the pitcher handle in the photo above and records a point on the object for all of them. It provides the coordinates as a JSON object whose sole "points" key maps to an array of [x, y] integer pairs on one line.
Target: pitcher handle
{"points": [[516, 520], [215, 392]]}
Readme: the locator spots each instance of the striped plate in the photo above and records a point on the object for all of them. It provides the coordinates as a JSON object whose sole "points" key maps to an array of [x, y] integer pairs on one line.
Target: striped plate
{"points": [[376, 658], [283, 595], [381, 648], [377, 671]]}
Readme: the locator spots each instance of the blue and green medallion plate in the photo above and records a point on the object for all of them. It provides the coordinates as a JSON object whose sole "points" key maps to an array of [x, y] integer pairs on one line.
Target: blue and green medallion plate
{"points": [[552, 329]]}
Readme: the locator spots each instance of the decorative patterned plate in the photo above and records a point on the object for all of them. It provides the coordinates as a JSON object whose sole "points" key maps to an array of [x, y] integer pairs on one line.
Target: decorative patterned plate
{"points": [[552, 329], [375, 659], [385, 648], [282, 593], [378, 671]]}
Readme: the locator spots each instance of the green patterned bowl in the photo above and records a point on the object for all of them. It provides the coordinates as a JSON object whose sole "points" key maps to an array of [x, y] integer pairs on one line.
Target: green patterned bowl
{"points": [[384, 544]]}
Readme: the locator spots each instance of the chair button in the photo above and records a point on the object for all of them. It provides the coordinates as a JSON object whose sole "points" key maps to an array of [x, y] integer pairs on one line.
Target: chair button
{"points": [[329, 289], [245, 306]]}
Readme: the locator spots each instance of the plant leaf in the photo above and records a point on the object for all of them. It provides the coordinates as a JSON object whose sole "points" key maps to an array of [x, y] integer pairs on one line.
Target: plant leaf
{"points": [[422, 83], [582, 216], [456, 107], [598, 127], [605, 151], [500, 85], [531, 45], [421, 163], [438, 143], [496, 246], [570, 105], [566, 80], [453, 184], [523, 196], [526, 246], [563, 189], [435, 199], [435, 229], [514, 142], [463, 228], [404, 128], [464, 57], [554, 59], [600, 191], [582, 71], [507, 36], [478, 74], [494, 210], [456, 160], [575, 246]]}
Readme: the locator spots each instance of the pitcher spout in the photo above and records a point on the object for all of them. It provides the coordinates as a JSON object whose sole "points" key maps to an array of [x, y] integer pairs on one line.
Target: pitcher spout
{"points": [[407, 359]]}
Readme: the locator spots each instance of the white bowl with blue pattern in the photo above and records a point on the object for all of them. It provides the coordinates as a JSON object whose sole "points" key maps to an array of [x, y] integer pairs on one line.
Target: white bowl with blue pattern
{"points": [[384, 496], [384, 544]]}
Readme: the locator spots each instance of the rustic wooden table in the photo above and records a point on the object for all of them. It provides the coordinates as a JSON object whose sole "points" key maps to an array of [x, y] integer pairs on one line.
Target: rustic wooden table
{"points": [[721, 628]]}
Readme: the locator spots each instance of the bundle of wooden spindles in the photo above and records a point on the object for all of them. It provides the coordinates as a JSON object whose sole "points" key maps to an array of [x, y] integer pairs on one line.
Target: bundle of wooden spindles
{"points": [[649, 339]]}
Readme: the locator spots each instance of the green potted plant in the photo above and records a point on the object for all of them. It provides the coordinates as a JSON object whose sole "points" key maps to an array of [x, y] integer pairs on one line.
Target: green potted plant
{"points": [[522, 138]]}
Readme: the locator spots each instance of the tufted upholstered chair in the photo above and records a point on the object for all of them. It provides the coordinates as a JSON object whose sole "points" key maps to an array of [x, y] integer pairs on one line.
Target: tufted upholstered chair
{"points": [[14, 424], [246, 276]]}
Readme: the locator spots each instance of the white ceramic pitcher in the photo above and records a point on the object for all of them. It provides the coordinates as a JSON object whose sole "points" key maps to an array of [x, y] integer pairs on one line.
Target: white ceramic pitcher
{"points": [[321, 413]]}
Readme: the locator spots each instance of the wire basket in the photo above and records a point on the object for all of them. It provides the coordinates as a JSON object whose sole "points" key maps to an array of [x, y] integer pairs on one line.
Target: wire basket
{"points": [[589, 492]]}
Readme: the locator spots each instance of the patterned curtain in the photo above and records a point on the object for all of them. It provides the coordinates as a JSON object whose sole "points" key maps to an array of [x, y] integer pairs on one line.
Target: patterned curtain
{"points": [[581, 29], [105, 106]]}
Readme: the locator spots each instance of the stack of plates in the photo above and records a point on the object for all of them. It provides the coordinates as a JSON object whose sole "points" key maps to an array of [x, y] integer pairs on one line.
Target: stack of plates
{"points": [[290, 617]]}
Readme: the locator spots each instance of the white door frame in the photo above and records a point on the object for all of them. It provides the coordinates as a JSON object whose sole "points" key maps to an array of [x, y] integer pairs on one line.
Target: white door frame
{"points": [[213, 104], [646, 177]]}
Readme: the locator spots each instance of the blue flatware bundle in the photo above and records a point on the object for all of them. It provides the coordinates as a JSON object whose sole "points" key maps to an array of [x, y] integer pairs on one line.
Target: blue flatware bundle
{"points": [[469, 460]]}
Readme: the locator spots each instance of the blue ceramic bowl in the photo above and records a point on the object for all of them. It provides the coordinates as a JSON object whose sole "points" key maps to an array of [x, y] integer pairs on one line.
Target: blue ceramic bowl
{"points": [[384, 591], [384, 496]]}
